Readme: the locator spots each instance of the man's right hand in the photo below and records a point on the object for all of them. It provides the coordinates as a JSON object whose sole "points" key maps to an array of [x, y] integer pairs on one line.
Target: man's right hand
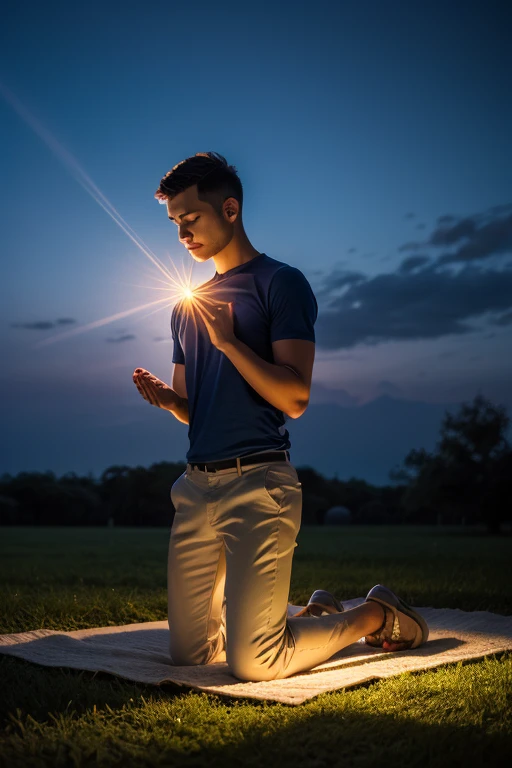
{"points": [[154, 390]]}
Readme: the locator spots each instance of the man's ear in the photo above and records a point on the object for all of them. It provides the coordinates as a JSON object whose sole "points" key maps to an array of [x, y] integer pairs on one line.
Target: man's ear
{"points": [[232, 207]]}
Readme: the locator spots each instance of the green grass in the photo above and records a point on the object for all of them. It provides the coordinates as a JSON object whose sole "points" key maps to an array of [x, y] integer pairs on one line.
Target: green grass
{"points": [[70, 578]]}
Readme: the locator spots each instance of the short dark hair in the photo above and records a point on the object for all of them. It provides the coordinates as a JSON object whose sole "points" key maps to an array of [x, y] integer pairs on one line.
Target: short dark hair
{"points": [[215, 179]]}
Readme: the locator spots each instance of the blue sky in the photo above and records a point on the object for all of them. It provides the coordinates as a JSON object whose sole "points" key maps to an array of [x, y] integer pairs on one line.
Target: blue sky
{"points": [[373, 143]]}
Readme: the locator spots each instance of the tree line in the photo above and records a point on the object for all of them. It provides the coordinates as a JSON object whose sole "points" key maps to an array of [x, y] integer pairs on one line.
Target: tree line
{"points": [[467, 479]]}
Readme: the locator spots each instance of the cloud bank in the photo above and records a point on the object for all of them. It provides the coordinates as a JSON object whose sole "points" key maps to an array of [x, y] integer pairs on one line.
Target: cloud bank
{"points": [[427, 296]]}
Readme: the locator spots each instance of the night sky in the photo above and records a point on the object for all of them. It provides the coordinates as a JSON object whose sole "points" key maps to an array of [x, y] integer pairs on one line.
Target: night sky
{"points": [[373, 143]]}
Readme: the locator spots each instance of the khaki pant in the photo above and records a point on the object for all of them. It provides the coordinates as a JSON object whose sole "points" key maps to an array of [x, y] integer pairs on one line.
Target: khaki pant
{"points": [[234, 535]]}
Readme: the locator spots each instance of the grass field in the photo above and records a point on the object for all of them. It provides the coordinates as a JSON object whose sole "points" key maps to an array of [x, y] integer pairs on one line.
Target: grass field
{"points": [[72, 578]]}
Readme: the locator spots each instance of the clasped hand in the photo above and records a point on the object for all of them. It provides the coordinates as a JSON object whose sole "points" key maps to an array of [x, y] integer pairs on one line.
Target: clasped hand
{"points": [[154, 390], [218, 319]]}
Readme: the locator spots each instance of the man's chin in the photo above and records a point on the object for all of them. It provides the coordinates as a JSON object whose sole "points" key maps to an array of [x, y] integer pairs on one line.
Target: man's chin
{"points": [[199, 255]]}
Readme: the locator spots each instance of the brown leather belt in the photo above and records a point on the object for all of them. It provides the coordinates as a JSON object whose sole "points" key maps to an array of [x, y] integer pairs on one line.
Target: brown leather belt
{"points": [[254, 458]]}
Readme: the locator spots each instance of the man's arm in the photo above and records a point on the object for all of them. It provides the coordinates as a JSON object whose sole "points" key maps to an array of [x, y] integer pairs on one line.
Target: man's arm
{"points": [[160, 394], [179, 408], [286, 383]]}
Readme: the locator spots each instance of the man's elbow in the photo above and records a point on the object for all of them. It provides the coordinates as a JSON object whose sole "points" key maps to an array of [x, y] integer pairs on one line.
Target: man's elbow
{"points": [[298, 408]]}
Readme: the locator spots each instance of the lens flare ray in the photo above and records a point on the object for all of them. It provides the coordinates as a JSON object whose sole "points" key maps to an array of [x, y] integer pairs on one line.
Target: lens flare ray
{"points": [[79, 175], [179, 286], [98, 323]]}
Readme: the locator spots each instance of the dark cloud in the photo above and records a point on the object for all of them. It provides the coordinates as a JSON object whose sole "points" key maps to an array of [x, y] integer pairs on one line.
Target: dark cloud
{"points": [[491, 239], [448, 235], [413, 262], [44, 325], [351, 250], [337, 280], [421, 226], [505, 319], [126, 337], [41, 325], [409, 215], [411, 246], [479, 236], [498, 209], [426, 304]]}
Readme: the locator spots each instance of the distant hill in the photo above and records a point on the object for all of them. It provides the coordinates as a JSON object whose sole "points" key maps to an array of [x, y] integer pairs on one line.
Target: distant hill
{"points": [[365, 441]]}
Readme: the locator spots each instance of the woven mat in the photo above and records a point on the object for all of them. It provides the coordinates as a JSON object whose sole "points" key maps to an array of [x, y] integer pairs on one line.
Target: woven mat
{"points": [[139, 652]]}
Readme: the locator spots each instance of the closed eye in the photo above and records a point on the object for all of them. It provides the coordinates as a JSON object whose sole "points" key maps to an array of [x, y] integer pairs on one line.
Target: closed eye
{"points": [[191, 221]]}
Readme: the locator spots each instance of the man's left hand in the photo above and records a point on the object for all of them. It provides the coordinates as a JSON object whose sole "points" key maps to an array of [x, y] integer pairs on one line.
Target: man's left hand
{"points": [[218, 318]]}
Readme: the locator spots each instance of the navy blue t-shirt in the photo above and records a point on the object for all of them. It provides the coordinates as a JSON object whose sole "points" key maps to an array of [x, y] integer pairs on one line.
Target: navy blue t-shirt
{"points": [[227, 417]]}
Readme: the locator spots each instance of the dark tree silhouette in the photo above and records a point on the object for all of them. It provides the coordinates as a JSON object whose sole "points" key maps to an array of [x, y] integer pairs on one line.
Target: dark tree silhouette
{"points": [[468, 478]]}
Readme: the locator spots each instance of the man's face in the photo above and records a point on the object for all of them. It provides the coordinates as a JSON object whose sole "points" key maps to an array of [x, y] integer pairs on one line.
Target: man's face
{"points": [[199, 224]]}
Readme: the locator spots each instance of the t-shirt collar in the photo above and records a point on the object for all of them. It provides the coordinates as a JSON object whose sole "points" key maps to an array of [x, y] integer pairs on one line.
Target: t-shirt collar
{"points": [[234, 270]]}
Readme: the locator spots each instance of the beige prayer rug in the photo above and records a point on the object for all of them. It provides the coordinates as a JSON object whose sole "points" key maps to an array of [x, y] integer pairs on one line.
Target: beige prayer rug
{"points": [[139, 652]]}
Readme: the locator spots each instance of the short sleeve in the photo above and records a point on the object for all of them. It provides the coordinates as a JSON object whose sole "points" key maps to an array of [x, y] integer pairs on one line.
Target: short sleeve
{"points": [[292, 306], [178, 355]]}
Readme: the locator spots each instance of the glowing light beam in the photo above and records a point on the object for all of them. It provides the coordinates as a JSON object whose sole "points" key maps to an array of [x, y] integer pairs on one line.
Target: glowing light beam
{"points": [[80, 175], [98, 323], [181, 286]]}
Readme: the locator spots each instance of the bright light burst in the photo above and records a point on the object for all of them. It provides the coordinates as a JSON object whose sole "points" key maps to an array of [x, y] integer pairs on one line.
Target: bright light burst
{"points": [[179, 287]]}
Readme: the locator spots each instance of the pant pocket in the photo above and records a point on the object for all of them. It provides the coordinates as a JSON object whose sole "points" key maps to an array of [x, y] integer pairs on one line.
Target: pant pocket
{"points": [[280, 480]]}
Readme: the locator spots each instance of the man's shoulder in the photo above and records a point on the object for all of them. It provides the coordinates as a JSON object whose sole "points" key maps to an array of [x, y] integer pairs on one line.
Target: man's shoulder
{"points": [[274, 264], [280, 270], [283, 275]]}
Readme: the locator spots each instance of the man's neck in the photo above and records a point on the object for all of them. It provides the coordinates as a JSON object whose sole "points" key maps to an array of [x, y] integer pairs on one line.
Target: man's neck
{"points": [[234, 255]]}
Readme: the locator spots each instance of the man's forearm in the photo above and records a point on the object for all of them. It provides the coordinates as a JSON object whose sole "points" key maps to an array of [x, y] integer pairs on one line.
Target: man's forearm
{"points": [[180, 409], [278, 385]]}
